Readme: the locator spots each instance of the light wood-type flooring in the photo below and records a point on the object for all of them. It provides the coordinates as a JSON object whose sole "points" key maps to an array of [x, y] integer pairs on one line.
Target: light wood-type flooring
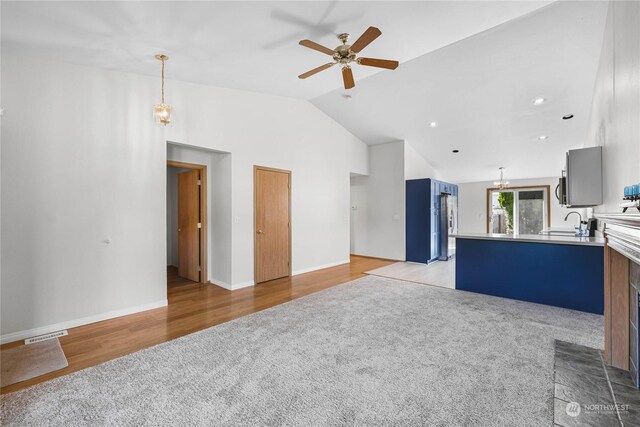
{"points": [[439, 273]]}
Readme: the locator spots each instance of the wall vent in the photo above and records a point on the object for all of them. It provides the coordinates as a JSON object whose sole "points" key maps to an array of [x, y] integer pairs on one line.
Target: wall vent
{"points": [[45, 337]]}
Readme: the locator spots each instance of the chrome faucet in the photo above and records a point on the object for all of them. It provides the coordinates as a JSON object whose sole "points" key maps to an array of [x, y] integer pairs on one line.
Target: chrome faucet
{"points": [[581, 232]]}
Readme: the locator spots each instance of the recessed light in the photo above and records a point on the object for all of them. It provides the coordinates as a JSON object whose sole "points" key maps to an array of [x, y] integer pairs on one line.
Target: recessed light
{"points": [[567, 117], [539, 101], [543, 137], [455, 151], [433, 124]]}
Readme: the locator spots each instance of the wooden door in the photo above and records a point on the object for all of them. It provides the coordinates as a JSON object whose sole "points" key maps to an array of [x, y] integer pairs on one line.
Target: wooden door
{"points": [[272, 224], [189, 225]]}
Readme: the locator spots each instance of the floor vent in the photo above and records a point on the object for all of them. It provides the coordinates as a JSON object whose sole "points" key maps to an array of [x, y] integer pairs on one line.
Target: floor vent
{"points": [[46, 337]]}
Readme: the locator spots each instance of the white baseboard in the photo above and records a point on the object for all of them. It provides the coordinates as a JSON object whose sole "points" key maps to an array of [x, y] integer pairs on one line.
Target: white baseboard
{"points": [[293, 273], [221, 284], [230, 287], [242, 285], [319, 267], [379, 257], [21, 335]]}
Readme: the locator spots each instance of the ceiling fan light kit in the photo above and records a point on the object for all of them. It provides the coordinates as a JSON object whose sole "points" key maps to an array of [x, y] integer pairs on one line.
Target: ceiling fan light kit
{"points": [[346, 54]]}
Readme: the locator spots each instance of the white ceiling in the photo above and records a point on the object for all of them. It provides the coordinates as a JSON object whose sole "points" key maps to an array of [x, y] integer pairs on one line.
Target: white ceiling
{"points": [[459, 65], [241, 45], [481, 91]]}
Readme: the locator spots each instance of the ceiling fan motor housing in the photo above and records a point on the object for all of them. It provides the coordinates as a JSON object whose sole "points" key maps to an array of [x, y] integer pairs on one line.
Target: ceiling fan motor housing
{"points": [[343, 53]]}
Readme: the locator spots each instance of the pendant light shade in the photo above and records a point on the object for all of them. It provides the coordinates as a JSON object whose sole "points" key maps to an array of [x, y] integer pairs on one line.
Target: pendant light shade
{"points": [[162, 111], [162, 114]]}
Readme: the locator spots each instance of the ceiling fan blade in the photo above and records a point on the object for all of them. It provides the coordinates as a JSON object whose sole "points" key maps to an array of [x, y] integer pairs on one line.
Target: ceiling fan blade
{"points": [[316, 46], [380, 63], [367, 37], [316, 70], [347, 76]]}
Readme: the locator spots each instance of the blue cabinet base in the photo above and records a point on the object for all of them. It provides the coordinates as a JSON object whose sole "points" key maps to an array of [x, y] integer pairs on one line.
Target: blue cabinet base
{"points": [[568, 276]]}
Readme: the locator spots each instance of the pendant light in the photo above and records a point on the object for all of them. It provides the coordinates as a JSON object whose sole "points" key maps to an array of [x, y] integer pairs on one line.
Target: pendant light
{"points": [[502, 184], [162, 111]]}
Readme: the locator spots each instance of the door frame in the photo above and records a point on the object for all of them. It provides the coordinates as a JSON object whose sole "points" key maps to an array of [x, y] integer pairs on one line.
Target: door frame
{"points": [[524, 187], [204, 276], [257, 168]]}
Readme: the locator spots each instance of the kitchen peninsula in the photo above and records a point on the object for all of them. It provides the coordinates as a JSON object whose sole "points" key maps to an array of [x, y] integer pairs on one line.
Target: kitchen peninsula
{"points": [[563, 271]]}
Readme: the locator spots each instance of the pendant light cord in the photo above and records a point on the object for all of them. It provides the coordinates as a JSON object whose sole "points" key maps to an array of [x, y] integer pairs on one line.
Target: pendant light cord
{"points": [[163, 81]]}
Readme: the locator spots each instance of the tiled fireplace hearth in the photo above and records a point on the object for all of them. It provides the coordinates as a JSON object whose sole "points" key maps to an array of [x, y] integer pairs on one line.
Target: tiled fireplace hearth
{"points": [[622, 291]]}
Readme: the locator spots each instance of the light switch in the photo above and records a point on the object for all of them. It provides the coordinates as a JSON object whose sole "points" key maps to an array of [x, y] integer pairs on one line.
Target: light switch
{"points": [[396, 217]]}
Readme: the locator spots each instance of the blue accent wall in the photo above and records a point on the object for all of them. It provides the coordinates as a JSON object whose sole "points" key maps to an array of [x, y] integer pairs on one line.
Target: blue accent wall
{"points": [[569, 276]]}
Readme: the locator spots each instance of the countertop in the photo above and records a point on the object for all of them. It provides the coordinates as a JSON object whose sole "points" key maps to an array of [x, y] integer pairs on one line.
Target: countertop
{"points": [[534, 238]]}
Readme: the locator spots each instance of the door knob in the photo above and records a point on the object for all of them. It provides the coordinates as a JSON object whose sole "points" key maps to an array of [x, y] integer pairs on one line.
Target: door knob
{"points": [[259, 232], [179, 229]]}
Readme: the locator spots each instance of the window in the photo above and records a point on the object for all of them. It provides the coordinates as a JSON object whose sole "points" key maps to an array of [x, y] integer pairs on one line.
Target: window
{"points": [[518, 210]]}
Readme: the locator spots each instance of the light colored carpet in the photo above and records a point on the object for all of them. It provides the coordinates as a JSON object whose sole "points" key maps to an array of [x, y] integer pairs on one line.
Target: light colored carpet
{"points": [[29, 361], [438, 273], [371, 352]]}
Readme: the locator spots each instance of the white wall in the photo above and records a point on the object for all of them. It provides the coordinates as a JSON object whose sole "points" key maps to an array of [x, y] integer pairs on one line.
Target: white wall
{"points": [[359, 231], [286, 134], [416, 166], [82, 161], [221, 223], [472, 204], [80, 164], [378, 200], [218, 209], [615, 114], [379, 220]]}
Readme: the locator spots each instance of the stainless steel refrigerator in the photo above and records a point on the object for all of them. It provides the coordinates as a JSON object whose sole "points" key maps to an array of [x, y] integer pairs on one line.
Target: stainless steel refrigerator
{"points": [[448, 226]]}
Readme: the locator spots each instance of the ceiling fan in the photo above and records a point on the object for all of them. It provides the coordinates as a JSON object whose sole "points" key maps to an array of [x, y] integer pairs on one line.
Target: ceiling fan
{"points": [[346, 54]]}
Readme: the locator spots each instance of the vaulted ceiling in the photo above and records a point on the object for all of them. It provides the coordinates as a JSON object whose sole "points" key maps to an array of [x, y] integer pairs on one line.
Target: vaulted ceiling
{"points": [[474, 67], [241, 44], [481, 91]]}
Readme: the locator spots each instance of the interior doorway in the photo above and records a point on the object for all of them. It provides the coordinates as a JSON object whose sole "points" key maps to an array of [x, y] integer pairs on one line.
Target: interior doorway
{"points": [[272, 223], [187, 221], [358, 214]]}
